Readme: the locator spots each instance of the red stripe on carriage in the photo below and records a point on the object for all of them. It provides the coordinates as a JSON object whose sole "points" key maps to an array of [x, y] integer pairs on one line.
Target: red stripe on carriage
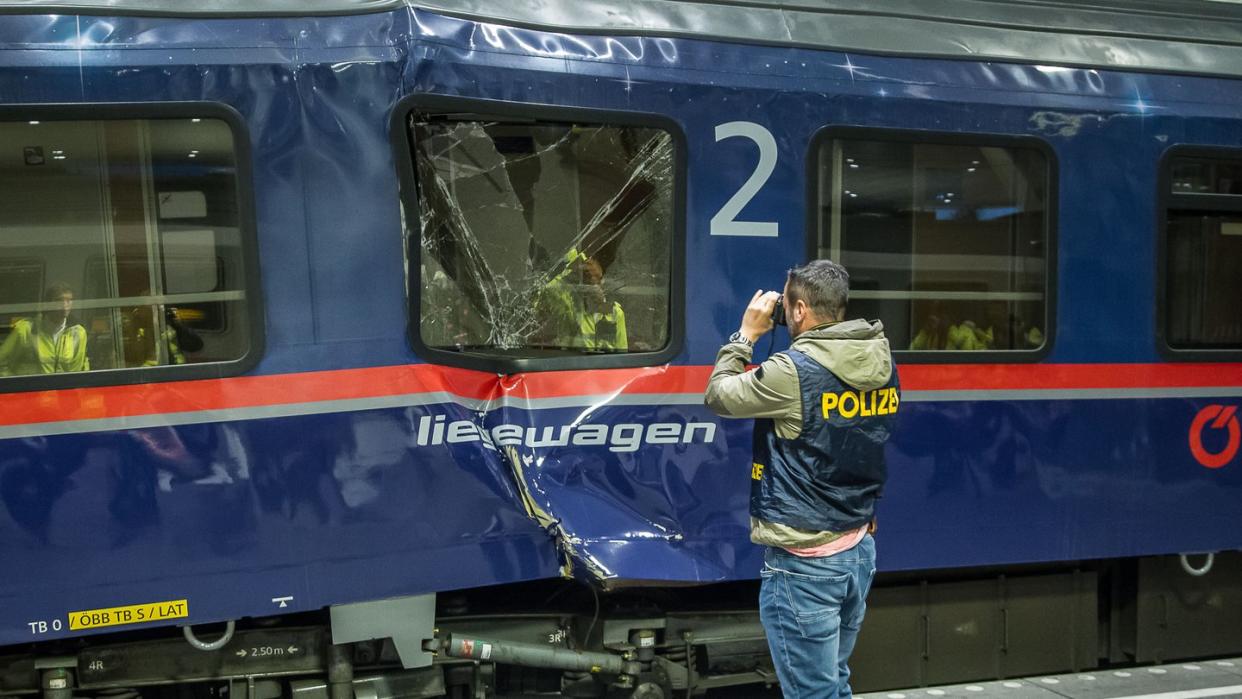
{"points": [[378, 382]]}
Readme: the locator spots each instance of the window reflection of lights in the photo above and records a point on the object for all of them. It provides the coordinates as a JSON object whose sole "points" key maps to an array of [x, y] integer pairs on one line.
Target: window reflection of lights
{"points": [[193, 155], [974, 162], [853, 195], [34, 123], [58, 157], [854, 166], [195, 121], [56, 151], [971, 169], [849, 160]]}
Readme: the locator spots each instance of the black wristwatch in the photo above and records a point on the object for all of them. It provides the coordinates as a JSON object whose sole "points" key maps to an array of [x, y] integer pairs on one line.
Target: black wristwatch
{"points": [[739, 337]]}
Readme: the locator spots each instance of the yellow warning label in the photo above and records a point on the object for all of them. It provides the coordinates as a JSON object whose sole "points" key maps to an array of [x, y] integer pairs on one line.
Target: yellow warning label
{"points": [[133, 614]]}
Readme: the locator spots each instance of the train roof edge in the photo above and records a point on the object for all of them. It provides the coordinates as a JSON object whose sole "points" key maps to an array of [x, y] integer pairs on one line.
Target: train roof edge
{"points": [[1179, 36]]}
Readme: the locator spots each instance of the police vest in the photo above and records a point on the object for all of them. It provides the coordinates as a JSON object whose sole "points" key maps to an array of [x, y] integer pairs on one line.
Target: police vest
{"points": [[828, 477]]}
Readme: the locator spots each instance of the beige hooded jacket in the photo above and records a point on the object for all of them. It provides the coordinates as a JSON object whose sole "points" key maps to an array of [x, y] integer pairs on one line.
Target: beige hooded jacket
{"points": [[855, 350]]}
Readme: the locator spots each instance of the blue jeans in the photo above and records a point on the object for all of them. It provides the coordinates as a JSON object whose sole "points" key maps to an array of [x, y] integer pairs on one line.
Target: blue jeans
{"points": [[812, 609]]}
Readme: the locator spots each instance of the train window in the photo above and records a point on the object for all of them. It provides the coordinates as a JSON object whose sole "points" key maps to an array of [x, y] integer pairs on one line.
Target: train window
{"points": [[543, 239], [945, 242], [1203, 250], [120, 246]]}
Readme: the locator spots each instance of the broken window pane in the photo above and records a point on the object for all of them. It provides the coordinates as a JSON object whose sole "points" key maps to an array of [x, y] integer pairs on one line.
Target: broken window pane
{"points": [[543, 239]]}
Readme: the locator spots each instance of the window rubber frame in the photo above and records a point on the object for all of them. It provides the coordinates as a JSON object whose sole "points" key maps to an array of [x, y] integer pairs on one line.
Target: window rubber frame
{"points": [[247, 229], [472, 109], [1207, 203], [952, 138]]}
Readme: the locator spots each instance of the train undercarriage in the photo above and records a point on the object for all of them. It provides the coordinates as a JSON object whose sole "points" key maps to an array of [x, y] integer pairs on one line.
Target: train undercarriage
{"points": [[565, 638]]}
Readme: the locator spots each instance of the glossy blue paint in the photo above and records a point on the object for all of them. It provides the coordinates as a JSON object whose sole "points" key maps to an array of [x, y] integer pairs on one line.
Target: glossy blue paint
{"points": [[348, 506]]}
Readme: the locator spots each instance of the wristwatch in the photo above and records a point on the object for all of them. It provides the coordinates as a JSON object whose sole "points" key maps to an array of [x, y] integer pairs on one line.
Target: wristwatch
{"points": [[739, 337]]}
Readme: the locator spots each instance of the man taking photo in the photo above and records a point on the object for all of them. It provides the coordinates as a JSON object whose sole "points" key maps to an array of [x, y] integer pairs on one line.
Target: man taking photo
{"points": [[823, 410]]}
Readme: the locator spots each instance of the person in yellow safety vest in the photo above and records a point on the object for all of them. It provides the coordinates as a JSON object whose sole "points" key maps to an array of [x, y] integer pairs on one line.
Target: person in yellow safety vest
{"points": [[933, 334], [49, 344], [967, 336], [175, 355], [140, 331], [1034, 338], [579, 315]]}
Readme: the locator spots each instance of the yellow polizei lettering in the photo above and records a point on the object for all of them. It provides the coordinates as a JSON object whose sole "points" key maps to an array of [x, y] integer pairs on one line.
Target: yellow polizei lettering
{"points": [[829, 402], [849, 404], [851, 411], [756, 472]]}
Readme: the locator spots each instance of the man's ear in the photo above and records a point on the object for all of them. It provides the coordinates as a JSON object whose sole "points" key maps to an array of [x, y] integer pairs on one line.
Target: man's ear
{"points": [[801, 308]]}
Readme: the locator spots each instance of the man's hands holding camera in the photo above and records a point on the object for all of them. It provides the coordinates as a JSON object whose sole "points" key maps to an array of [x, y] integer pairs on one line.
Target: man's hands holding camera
{"points": [[757, 320]]}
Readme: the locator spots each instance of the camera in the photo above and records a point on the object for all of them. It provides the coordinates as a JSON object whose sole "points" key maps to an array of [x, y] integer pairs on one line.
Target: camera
{"points": [[778, 312]]}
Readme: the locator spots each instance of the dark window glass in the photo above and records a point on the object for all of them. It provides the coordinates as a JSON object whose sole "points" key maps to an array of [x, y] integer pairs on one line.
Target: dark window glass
{"points": [[1205, 176], [120, 245], [1204, 255], [543, 239], [946, 244]]}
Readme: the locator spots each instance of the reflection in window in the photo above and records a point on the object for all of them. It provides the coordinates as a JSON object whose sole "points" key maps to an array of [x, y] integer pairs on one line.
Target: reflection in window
{"points": [[1204, 252], [1206, 176], [543, 240], [944, 243], [119, 245]]}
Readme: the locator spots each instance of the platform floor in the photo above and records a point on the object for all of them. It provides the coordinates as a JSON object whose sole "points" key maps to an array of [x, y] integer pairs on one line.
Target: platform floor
{"points": [[1190, 680]]}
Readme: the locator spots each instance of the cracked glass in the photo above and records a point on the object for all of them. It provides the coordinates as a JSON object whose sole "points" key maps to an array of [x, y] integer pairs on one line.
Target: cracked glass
{"points": [[543, 239]]}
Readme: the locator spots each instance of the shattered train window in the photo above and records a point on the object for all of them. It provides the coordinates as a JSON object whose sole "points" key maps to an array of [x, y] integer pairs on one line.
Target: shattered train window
{"points": [[543, 239]]}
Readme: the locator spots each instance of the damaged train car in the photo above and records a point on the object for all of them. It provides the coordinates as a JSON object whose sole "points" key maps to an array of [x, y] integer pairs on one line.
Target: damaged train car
{"points": [[358, 347]]}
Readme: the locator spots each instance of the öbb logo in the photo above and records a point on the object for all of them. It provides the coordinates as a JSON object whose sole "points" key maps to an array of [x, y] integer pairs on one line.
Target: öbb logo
{"points": [[1221, 417]]}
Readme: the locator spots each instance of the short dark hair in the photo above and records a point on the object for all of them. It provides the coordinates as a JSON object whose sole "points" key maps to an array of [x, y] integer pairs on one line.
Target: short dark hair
{"points": [[823, 285], [56, 291]]}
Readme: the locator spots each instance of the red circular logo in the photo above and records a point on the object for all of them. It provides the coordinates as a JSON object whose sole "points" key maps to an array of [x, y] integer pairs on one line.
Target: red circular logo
{"points": [[1221, 416]]}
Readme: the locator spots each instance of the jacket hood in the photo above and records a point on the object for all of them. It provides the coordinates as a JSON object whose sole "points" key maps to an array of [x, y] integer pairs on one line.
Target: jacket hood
{"points": [[855, 350]]}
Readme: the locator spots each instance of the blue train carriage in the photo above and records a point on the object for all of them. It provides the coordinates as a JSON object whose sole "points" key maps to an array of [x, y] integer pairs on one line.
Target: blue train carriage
{"points": [[366, 342]]}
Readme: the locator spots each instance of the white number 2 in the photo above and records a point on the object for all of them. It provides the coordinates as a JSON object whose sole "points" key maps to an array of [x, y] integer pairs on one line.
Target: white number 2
{"points": [[725, 221]]}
